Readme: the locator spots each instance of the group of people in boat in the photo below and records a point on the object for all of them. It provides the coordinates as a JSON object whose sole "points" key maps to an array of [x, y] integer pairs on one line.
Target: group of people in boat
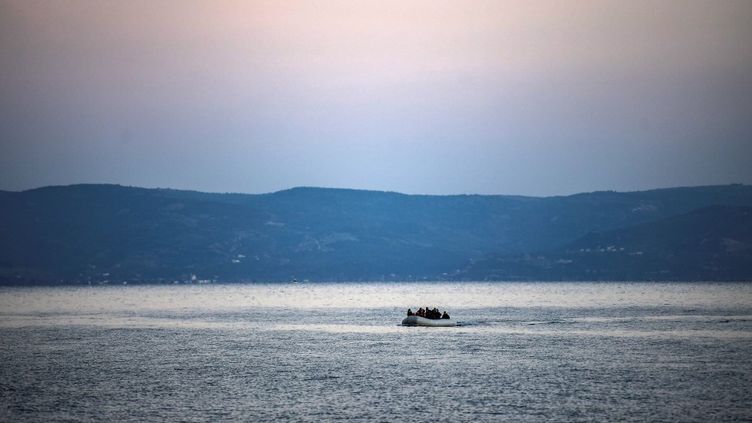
{"points": [[428, 313]]}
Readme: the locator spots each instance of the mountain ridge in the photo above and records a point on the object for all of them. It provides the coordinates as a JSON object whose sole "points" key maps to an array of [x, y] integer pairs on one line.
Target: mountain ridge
{"points": [[710, 243], [95, 232], [322, 188]]}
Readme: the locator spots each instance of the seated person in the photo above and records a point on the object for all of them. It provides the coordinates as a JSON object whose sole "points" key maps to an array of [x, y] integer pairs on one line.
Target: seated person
{"points": [[445, 315], [409, 312]]}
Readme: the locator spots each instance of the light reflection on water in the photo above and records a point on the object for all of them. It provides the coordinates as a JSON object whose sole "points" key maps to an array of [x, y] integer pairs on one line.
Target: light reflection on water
{"points": [[372, 295], [607, 309], [312, 352]]}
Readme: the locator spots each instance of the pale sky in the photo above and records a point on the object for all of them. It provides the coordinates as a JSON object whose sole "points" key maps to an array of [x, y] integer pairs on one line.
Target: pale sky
{"points": [[438, 97]]}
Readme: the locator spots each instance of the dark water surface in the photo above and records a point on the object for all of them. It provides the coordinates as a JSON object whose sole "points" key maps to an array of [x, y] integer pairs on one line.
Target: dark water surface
{"points": [[324, 352]]}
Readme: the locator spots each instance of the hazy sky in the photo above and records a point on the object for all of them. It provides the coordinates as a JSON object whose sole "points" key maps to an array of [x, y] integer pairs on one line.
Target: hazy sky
{"points": [[514, 97]]}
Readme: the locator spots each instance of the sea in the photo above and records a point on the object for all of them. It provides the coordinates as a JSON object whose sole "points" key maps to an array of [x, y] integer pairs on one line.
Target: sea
{"points": [[312, 352]]}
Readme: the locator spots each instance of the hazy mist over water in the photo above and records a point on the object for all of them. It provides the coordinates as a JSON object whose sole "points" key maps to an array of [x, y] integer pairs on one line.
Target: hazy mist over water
{"points": [[311, 352]]}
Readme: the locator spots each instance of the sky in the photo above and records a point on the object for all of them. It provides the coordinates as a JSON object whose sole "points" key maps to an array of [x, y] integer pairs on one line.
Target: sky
{"points": [[431, 97]]}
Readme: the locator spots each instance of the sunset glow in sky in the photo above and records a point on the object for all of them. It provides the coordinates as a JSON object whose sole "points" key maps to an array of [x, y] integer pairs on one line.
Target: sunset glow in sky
{"points": [[439, 97]]}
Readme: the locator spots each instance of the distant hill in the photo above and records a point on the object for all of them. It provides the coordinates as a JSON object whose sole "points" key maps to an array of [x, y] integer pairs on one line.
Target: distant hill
{"points": [[712, 243], [97, 233]]}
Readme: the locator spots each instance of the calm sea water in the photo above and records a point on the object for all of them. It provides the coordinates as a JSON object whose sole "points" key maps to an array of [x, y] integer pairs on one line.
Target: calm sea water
{"points": [[326, 352]]}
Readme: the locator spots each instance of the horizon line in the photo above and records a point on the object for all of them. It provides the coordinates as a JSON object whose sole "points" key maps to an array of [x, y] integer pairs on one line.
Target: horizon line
{"points": [[311, 187]]}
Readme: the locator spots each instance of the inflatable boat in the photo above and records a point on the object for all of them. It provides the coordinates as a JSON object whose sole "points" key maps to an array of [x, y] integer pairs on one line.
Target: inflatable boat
{"points": [[422, 321]]}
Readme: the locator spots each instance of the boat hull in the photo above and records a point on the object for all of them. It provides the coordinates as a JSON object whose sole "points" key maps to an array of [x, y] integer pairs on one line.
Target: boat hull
{"points": [[422, 321]]}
